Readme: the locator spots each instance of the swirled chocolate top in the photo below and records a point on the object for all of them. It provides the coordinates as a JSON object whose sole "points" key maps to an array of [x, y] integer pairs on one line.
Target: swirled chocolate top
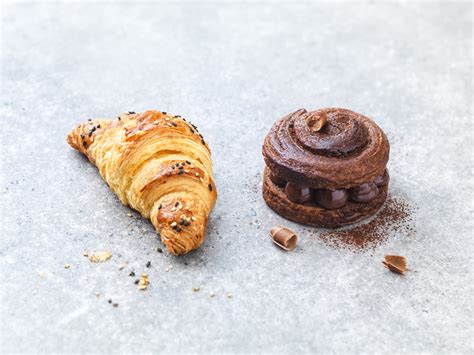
{"points": [[349, 149]]}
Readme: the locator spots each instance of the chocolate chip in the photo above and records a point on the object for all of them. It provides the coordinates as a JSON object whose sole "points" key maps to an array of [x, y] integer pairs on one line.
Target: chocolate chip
{"points": [[382, 180], [298, 194], [363, 193], [277, 180], [331, 199]]}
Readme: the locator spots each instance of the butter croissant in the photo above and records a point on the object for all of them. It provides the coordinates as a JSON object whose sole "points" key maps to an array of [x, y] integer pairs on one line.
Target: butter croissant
{"points": [[159, 165]]}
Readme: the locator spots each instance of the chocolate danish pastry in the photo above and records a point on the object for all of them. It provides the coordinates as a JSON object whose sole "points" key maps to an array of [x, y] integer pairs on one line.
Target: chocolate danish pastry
{"points": [[325, 168]]}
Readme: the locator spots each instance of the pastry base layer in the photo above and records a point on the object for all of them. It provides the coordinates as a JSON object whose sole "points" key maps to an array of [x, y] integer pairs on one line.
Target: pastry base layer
{"points": [[313, 215]]}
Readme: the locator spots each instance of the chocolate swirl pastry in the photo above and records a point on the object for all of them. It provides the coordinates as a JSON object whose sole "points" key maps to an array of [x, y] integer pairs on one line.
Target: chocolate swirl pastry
{"points": [[325, 168]]}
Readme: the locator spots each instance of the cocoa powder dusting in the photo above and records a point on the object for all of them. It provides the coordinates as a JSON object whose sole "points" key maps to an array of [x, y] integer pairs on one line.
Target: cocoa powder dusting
{"points": [[394, 217]]}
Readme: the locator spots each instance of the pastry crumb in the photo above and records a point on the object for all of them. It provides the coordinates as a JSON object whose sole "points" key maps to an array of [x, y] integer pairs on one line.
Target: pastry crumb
{"points": [[100, 257], [143, 282], [196, 289], [67, 266]]}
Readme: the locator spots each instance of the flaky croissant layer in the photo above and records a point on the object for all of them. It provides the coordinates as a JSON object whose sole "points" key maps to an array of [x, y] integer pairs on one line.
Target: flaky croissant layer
{"points": [[158, 164]]}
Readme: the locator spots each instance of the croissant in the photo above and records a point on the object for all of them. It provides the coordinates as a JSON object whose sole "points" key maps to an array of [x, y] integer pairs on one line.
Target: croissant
{"points": [[158, 164]]}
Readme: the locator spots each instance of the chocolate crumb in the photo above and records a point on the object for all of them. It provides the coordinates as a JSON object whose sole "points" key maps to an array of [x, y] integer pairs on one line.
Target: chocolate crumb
{"points": [[394, 217], [131, 273], [115, 305], [148, 264], [159, 250]]}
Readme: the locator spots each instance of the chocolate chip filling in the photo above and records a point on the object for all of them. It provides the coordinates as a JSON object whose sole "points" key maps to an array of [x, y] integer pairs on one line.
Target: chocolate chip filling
{"points": [[364, 192], [277, 180], [298, 194], [332, 199], [382, 180]]}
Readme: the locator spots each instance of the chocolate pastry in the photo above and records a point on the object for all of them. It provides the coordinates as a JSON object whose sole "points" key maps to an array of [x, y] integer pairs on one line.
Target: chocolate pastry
{"points": [[325, 168]]}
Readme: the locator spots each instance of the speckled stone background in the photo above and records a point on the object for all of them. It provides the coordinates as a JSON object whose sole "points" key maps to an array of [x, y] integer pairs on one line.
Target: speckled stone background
{"points": [[233, 69]]}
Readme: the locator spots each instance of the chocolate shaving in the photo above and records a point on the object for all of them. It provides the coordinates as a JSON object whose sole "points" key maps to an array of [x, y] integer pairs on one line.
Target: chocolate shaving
{"points": [[284, 238], [316, 121], [395, 263]]}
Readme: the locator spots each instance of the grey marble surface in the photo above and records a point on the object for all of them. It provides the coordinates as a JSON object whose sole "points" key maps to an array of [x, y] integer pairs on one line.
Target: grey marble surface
{"points": [[233, 69]]}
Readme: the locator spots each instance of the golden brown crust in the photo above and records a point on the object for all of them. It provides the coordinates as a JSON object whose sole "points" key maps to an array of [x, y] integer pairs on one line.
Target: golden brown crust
{"points": [[83, 135], [160, 165]]}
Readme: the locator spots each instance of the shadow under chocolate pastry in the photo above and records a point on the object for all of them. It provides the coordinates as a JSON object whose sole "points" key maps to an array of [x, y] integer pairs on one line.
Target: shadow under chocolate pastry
{"points": [[326, 176]]}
